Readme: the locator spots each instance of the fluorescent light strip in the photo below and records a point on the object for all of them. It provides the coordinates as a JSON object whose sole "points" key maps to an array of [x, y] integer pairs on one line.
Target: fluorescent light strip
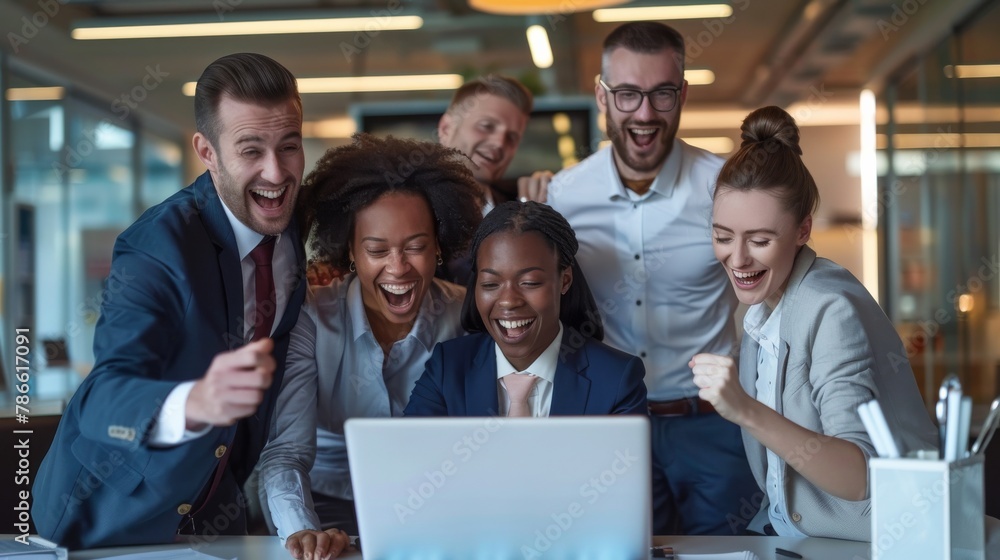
{"points": [[268, 27], [714, 144], [699, 76], [538, 43], [337, 127], [417, 82], [663, 13], [940, 140], [54, 93], [972, 71], [869, 195]]}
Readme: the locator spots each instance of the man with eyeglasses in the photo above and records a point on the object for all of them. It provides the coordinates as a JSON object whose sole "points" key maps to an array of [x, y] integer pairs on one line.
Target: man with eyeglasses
{"points": [[642, 213]]}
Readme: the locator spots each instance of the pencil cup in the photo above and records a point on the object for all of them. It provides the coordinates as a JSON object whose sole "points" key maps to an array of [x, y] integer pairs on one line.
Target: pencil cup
{"points": [[927, 509]]}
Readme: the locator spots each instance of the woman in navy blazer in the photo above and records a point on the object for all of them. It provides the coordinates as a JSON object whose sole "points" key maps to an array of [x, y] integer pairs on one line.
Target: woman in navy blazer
{"points": [[530, 311]]}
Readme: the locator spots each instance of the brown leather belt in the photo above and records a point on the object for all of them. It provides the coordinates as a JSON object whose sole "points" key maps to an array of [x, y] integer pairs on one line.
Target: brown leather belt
{"points": [[691, 406]]}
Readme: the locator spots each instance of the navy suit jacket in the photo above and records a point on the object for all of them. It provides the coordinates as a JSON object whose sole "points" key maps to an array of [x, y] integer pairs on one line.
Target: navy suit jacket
{"points": [[460, 379], [173, 301]]}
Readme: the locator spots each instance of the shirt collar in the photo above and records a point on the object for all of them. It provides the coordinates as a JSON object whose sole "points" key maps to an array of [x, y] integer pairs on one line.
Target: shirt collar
{"points": [[544, 365], [664, 183], [762, 324], [246, 238]]}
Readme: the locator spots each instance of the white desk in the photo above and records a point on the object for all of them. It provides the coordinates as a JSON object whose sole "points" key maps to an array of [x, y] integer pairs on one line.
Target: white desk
{"points": [[269, 548]]}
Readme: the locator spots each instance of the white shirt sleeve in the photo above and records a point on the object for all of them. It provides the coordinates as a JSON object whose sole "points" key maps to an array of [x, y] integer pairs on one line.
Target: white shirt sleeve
{"points": [[171, 425]]}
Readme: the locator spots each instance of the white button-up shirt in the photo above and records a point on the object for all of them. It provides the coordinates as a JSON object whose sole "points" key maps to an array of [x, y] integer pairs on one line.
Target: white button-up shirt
{"points": [[650, 264], [763, 328]]}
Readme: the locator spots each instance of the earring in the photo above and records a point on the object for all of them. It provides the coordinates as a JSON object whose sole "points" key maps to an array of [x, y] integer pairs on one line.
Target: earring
{"points": [[352, 268], [440, 260]]}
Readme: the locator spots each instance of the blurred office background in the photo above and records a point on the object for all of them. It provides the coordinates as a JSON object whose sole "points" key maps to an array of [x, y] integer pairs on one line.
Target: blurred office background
{"points": [[898, 100]]}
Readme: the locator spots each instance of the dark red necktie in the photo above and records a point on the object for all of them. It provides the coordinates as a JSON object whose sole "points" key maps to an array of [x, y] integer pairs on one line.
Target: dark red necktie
{"points": [[266, 303]]}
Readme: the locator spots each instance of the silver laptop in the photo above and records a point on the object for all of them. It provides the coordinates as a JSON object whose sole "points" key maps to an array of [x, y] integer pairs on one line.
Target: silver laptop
{"points": [[573, 488]]}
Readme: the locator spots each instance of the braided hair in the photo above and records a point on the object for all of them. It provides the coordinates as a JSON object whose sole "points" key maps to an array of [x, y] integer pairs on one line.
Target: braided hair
{"points": [[577, 308], [349, 178]]}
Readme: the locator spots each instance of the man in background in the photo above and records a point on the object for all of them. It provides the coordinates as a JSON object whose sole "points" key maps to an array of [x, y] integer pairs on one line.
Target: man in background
{"points": [[642, 212]]}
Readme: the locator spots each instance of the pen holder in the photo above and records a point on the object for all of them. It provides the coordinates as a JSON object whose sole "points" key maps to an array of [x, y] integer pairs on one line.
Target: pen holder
{"points": [[927, 509]]}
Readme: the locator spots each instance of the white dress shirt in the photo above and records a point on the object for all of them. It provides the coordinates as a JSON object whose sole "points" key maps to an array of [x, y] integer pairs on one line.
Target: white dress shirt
{"points": [[171, 424], [763, 327], [650, 263], [544, 368], [336, 370]]}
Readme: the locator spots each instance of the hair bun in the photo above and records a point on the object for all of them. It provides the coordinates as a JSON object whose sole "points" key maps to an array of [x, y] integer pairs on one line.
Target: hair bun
{"points": [[771, 123]]}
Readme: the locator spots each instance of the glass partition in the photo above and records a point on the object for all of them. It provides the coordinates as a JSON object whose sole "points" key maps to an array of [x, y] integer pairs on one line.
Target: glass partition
{"points": [[944, 141]]}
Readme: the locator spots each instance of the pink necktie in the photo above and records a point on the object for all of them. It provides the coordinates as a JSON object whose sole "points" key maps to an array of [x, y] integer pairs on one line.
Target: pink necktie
{"points": [[265, 301], [518, 388]]}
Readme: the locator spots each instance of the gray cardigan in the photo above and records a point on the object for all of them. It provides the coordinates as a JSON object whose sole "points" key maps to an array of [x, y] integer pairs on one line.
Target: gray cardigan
{"points": [[837, 350]]}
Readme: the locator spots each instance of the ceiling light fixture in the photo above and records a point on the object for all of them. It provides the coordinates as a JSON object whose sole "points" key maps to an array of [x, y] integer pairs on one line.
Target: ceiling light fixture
{"points": [[538, 43], [336, 127], [54, 93], [540, 7], [101, 30], [416, 82], [972, 71], [699, 76], [714, 144], [656, 13]]}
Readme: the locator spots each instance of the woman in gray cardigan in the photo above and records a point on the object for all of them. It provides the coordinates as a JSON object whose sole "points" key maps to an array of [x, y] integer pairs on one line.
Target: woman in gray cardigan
{"points": [[816, 346]]}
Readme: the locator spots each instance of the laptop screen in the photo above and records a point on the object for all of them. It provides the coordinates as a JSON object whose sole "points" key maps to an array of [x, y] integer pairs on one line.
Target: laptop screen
{"points": [[498, 488]]}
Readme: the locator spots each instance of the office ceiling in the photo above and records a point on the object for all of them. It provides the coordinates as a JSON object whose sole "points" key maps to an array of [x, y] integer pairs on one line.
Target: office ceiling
{"points": [[768, 51]]}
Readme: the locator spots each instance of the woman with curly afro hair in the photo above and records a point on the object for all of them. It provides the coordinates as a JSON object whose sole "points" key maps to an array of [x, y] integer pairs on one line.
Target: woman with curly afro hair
{"points": [[389, 211]]}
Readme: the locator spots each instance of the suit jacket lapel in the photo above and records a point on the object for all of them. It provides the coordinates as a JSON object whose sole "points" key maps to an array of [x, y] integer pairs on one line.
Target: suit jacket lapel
{"points": [[779, 378], [569, 395], [221, 232], [481, 382]]}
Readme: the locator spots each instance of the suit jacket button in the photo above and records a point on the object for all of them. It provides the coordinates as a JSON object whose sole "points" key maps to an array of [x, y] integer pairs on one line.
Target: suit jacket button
{"points": [[183, 509], [796, 517], [220, 451]]}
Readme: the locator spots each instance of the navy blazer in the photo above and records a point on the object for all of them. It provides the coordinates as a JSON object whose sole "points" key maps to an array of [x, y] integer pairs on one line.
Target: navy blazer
{"points": [[460, 379], [173, 301]]}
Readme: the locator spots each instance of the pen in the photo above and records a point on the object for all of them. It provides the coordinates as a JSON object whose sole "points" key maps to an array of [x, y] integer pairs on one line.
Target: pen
{"points": [[989, 426], [788, 553], [892, 451], [883, 448], [964, 419], [954, 408], [943, 411]]}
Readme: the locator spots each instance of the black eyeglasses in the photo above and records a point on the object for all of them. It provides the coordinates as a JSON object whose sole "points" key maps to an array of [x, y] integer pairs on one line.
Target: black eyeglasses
{"points": [[628, 100]]}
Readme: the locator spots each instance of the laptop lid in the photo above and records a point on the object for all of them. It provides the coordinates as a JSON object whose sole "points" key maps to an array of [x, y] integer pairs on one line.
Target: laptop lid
{"points": [[498, 488]]}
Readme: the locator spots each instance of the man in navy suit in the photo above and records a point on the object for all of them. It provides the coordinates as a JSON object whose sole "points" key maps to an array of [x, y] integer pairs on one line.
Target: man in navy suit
{"points": [[161, 436]]}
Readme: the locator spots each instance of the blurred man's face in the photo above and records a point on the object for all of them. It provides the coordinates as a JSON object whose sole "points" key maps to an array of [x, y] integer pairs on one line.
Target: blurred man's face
{"points": [[487, 128]]}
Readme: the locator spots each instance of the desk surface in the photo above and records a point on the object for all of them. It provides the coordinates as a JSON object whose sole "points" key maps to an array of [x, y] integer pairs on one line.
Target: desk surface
{"points": [[269, 548]]}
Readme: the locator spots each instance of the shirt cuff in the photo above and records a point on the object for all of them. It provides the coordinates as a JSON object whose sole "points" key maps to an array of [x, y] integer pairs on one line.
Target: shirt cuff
{"points": [[171, 425], [290, 501]]}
